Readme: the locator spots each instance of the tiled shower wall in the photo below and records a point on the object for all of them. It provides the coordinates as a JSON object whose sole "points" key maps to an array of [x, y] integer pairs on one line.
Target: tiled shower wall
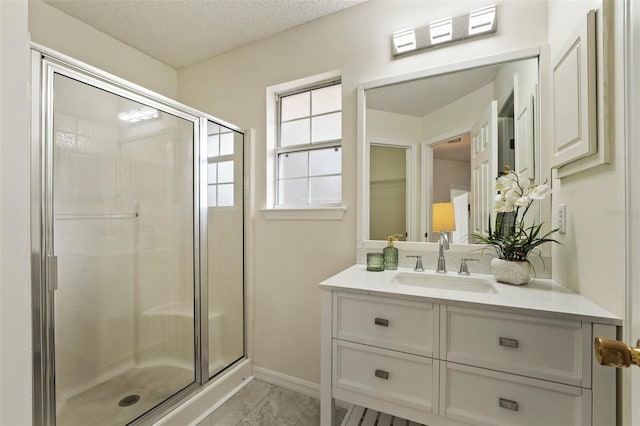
{"points": [[115, 266]]}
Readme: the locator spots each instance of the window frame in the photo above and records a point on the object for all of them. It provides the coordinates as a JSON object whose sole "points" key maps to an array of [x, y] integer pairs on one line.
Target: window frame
{"points": [[271, 210], [305, 147], [221, 158]]}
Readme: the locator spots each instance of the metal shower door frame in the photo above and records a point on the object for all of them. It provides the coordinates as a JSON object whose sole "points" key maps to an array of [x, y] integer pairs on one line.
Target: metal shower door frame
{"points": [[45, 64]]}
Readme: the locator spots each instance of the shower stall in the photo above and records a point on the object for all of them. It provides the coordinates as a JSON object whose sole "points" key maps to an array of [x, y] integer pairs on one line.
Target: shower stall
{"points": [[137, 248]]}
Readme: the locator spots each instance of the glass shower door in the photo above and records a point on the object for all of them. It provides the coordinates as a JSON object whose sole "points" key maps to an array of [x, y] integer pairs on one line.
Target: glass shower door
{"points": [[122, 193], [225, 244]]}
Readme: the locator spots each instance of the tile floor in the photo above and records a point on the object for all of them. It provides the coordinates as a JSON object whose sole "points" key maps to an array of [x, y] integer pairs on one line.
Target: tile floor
{"points": [[263, 404]]}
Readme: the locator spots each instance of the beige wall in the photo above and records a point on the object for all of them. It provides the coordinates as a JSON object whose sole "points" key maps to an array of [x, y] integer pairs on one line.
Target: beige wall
{"points": [[292, 257], [15, 302], [53, 29], [591, 260]]}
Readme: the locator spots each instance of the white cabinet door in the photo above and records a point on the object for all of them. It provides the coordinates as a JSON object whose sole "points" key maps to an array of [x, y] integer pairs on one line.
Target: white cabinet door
{"points": [[484, 158], [574, 96], [387, 323], [485, 397], [402, 379], [550, 349]]}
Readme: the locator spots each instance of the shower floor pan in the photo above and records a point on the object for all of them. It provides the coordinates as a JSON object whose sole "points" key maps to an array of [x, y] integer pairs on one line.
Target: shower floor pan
{"points": [[106, 404]]}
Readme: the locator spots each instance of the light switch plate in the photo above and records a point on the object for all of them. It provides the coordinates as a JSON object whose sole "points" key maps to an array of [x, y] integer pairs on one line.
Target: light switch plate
{"points": [[562, 218]]}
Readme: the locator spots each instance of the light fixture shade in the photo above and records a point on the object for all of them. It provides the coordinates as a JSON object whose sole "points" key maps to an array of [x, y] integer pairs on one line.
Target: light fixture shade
{"points": [[443, 217]]}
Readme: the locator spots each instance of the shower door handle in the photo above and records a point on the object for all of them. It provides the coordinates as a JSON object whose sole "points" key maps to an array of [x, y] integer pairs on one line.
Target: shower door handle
{"points": [[52, 272]]}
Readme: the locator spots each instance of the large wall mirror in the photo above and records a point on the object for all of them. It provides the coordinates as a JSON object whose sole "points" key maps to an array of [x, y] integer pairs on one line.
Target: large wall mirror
{"points": [[445, 137]]}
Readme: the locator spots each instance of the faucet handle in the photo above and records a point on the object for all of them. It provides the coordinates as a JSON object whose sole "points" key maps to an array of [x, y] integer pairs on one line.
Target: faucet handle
{"points": [[419, 267], [464, 269]]}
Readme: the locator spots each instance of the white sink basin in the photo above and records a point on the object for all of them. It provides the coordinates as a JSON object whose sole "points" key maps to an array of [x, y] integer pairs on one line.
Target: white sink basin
{"points": [[445, 282]]}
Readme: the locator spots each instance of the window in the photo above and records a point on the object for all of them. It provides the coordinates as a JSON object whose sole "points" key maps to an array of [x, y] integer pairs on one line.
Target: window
{"points": [[220, 170], [308, 152]]}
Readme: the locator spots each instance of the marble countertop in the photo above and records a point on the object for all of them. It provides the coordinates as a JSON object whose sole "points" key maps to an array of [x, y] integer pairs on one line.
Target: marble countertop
{"points": [[541, 297]]}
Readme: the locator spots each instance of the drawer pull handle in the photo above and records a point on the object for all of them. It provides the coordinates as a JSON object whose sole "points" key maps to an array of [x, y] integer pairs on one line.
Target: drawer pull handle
{"points": [[381, 321], [382, 374], [508, 343], [508, 404]]}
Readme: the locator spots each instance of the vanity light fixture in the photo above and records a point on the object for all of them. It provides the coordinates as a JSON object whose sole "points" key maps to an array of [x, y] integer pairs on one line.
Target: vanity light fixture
{"points": [[441, 31], [404, 40], [481, 20], [476, 23], [135, 115]]}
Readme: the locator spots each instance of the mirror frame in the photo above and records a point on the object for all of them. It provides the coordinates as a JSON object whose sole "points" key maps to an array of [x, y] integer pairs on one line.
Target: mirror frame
{"points": [[362, 219]]}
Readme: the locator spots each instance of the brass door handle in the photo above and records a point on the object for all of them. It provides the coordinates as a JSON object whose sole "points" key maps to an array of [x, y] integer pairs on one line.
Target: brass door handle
{"points": [[616, 354]]}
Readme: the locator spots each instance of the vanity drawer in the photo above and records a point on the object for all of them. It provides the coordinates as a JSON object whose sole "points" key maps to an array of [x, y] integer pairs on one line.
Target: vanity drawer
{"points": [[485, 397], [399, 378], [397, 324], [550, 349]]}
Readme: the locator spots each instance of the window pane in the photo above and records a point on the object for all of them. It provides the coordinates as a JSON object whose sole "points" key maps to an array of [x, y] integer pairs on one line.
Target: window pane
{"points": [[226, 144], [212, 172], [225, 195], [327, 127], [212, 128], [225, 171], [327, 99], [294, 132], [325, 161], [293, 164], [293, 191], [324, 190], [211, 196], [294, 106], [212, 146]]}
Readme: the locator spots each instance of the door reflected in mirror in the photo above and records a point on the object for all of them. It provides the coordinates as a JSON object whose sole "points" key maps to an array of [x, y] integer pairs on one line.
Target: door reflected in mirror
{"points": [[461, 128]]}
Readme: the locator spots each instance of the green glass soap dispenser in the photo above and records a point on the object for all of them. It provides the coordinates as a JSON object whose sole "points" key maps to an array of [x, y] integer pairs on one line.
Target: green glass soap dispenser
{"points": [[390, 254]]}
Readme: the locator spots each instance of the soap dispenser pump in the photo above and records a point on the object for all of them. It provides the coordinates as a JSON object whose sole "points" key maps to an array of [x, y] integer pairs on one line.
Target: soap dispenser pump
{"points": [[390, 253]]}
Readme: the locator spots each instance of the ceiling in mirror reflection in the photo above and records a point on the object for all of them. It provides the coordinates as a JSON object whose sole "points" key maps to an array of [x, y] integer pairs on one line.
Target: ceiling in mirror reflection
{"points": [[421, 97]]}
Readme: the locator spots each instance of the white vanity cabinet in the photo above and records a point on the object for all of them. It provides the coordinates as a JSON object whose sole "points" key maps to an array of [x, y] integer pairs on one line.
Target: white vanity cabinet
{"points": [[435, 359], [383, 353]]}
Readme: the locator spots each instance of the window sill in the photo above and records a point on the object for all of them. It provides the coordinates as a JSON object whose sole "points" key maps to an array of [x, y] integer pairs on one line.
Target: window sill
{"points": [[305, 213]]}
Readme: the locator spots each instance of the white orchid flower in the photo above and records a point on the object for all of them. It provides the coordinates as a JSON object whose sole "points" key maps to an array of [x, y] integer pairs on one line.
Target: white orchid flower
{"points": [[502, 183], [522, 201], [525, 183], [508, 207], [539, 192], [511, 196], [498, 206]]}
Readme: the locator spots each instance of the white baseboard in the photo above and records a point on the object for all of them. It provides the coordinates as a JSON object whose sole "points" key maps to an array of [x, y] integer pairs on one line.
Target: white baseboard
{"points": [[292, 383], [288, 382]]}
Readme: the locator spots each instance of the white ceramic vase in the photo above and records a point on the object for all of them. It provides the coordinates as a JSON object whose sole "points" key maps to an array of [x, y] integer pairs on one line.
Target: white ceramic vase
{"points": [[515, 272]]}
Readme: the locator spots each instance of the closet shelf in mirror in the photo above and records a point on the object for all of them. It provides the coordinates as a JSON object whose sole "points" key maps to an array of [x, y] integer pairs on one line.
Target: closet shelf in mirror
{"points": [[399, 180], [97, 216]]}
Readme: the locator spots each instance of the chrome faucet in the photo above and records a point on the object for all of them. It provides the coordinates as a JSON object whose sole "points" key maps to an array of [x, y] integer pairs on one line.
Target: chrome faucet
{"points": [[419, 267], [464, 269], [443, 244]]}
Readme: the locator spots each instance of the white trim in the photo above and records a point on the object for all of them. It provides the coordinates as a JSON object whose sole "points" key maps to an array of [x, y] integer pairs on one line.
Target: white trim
{"points": [[303, 213], [287, 382], [411, 176], [631, 328], [426, 148]]}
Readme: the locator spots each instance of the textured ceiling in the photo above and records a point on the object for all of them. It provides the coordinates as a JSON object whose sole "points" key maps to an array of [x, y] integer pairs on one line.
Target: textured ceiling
{"points": [[183, 32]]}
